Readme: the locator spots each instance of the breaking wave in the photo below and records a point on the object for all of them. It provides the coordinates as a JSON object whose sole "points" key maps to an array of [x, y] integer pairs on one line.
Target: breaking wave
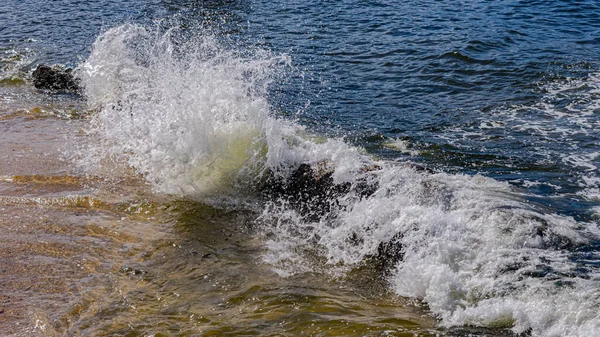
{"points": [[194, 119]]}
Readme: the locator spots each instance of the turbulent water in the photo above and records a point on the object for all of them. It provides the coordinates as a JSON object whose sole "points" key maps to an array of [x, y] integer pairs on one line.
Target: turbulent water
{"points": [[460, 143]]}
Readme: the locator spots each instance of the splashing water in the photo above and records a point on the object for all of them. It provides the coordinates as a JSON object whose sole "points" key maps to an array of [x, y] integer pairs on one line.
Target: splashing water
{"points": [[195, 120], [187, 122]]}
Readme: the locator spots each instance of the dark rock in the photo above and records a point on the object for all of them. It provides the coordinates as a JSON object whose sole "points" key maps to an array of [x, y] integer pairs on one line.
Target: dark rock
{"points": [[305, 191], [45, 77], [311, 191], [389, 253]]}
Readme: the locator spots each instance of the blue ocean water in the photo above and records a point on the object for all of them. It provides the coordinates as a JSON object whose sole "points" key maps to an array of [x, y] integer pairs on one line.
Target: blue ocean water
{"points": [[507, 90]]}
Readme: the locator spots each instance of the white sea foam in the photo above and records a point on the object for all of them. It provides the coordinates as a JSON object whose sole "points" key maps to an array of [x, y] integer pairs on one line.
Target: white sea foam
{"points": [[591, 191], [401, 145], [12, 62], [198, 122], [561, 127]]}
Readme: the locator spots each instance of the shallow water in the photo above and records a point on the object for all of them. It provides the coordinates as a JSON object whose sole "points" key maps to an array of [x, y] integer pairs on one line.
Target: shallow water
{"points": [[461, 141]]}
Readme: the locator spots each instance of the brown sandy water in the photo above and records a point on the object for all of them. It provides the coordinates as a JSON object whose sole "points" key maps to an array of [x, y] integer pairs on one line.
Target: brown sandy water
{"points": [[104, 256]]}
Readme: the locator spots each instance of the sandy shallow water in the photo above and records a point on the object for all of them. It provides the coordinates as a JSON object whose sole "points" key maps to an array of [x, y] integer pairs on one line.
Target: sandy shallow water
{"points": [[61, 242]]}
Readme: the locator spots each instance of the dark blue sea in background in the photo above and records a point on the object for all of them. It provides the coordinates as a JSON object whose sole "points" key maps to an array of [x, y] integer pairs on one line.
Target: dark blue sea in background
{"points": [[508, 90]]}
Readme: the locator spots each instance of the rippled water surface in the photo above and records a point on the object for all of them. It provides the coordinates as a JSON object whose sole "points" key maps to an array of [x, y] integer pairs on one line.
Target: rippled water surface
{"points": [[458, 143]]}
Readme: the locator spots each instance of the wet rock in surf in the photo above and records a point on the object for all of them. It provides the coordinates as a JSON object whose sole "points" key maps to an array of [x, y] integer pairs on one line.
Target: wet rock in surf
{"points": [[389, 253], [309, 193], [312, 192], [48, 78]]}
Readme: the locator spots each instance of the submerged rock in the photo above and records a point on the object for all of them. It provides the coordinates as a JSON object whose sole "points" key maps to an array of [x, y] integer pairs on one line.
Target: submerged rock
{"points": [[48, 78]]}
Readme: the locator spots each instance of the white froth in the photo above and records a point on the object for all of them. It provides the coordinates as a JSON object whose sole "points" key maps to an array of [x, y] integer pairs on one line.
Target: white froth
{"points": [[562, 126], [401, 145], [591, 191], [585, 161]]}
